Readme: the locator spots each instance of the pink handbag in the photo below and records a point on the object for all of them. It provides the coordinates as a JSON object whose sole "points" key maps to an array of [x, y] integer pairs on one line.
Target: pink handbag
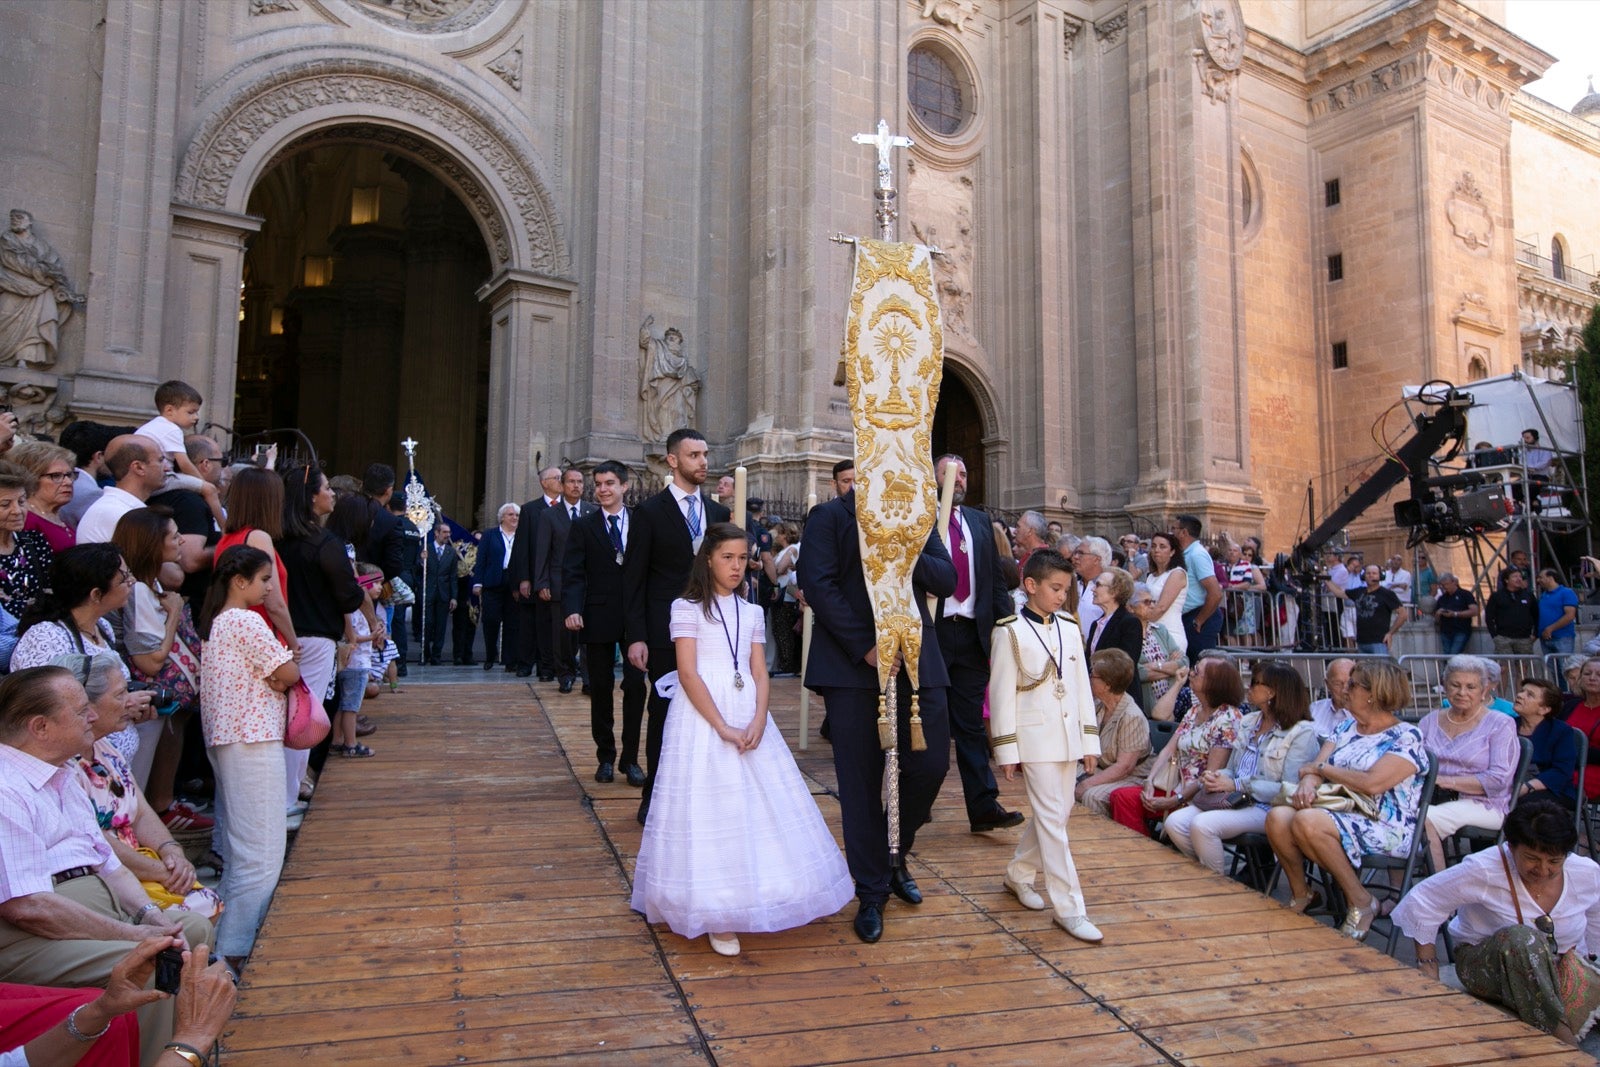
{"points": [[308, 722]]}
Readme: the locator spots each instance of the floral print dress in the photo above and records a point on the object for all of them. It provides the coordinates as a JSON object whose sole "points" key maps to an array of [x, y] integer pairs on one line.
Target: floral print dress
{"points": [[1390, 833]]}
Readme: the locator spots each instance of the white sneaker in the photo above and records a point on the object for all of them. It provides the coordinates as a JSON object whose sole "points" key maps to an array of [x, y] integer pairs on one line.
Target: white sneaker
{"points": [[1026, 895], [724, 944], [1081, 928]]}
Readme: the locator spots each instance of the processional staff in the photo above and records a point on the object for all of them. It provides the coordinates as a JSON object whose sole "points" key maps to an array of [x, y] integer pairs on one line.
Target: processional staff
{"points": [[421, 509]]}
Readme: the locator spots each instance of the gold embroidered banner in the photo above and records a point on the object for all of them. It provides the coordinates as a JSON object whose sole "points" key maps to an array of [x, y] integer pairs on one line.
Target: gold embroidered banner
{"points": [[893, 359]]}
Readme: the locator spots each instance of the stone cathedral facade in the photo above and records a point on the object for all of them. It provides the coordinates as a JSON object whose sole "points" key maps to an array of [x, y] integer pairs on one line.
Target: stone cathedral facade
{"points": [[1192, 248]]}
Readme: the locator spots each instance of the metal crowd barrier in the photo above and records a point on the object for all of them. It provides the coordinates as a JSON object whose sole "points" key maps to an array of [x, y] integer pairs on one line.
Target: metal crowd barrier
{"points": [[1427, 678], [1313, 666], [1259, 620]]}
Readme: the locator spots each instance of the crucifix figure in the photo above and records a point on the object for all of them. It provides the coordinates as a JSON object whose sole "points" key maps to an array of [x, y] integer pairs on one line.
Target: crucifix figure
{"points": [[885, 195]]}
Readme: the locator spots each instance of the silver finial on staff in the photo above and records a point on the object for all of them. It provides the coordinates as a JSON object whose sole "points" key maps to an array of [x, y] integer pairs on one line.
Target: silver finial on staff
{"points": [[420, 509], [884, 210]]}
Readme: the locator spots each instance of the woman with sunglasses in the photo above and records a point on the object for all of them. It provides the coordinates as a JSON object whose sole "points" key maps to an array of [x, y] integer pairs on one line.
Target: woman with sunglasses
{"points": [[53, 472], [1525, 913]]}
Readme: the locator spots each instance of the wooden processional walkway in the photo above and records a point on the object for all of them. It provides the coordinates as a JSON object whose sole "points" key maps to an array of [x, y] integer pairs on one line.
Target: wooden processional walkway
{"points": [[463, 898]]}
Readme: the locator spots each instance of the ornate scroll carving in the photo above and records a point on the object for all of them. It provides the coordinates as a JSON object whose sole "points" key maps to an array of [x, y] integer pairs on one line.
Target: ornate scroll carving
{"points": [[508, 66], [1070, 28], [1469, 216], [952, 13], [271, 7], [1111, 30], [1407, 71], [251, 114], [426, 16]]}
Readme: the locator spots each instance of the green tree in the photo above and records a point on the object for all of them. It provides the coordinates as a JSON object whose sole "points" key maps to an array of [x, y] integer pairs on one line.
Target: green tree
{"points": [[1588, 367]]}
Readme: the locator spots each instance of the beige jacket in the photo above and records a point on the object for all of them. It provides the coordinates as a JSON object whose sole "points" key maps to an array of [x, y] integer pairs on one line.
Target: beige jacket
{"points": [[1028, 722]]}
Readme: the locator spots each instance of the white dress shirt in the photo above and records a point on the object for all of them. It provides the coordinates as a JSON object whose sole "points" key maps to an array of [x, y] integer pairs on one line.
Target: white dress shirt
{"points": [[700, 511], [964, 609]]}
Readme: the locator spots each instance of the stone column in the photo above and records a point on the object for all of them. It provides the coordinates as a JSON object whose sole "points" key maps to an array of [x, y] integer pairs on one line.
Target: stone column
{"points": [[530, 346], [439, 397], [1189, 344], [125, 352], [205, 260]]}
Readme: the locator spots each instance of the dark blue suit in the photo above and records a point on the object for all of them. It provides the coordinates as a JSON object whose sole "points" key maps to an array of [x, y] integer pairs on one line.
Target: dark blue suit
{"points": [[592, 586], [965, 644], [836, 591], [491, 573]]}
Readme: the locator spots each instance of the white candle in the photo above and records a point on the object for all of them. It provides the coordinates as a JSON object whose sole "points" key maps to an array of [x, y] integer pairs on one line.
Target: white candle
{"points": [[738, 496]]}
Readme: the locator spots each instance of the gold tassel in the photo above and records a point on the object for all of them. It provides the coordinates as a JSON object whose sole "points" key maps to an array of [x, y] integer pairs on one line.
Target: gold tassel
{"points": [[885, 727], [918, 742]]}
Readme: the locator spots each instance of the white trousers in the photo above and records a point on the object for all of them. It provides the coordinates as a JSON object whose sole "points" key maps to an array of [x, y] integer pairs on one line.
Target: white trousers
{"points": [[1200, 834], [1043, 844], [249, 775], [316, 668]]}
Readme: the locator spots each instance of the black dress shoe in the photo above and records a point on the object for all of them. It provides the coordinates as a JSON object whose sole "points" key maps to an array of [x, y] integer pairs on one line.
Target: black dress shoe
{"points": [[998, 819], [566, 685], [635, 774], [869, 923], [488, 664], [585, 688], [644, 810], [546, 677], [902, 885], [524, 672], [604, 773]]}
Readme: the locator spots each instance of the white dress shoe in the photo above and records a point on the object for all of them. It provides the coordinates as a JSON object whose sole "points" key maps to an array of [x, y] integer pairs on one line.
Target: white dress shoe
{"points": [[724, 945], [1026, 895], [1081, 928]]}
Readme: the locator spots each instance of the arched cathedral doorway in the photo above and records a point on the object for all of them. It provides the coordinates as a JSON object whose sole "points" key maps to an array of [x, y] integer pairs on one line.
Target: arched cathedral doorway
{"points": [[360, 322], [958, 428]]}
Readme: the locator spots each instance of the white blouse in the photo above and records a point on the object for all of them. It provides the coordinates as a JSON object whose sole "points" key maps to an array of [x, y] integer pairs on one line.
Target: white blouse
{"points": [[1477, 891]]}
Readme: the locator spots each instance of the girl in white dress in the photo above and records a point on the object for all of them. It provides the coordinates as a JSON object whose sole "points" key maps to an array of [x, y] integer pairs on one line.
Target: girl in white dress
{"points": [[734, 841]]}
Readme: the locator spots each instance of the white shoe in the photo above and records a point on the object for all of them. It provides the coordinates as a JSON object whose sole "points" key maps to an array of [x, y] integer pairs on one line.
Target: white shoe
{"points": [[724, 944], [1026, 895], [1081, 928]]}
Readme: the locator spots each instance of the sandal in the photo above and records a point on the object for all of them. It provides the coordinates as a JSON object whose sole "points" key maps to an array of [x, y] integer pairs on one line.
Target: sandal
{"points": [[1305, 904], [1357, 921], [338, 750], [357, 751]]}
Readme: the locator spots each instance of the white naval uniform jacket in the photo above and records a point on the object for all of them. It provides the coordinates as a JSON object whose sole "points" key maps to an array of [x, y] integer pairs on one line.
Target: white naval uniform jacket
{"points": [[1037, 726]]}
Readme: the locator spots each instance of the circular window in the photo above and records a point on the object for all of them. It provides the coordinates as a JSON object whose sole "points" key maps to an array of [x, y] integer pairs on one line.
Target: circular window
{"points": [[935, 91]]}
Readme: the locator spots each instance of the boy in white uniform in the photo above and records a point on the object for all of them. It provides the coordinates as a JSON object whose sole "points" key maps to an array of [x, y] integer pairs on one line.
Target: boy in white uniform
{"points": [[1041, 715]]}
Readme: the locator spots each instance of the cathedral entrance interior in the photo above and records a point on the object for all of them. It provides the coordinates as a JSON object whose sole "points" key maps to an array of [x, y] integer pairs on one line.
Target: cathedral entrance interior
{"points": [[958, 429], [359, 318]]}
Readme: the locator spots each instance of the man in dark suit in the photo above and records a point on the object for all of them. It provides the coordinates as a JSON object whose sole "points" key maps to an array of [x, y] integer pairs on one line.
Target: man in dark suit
{"points": [[533, 649], [549, 549], [668, 529], [593, 595], [491, 580], [843, 670], [965, 623], [439, 591]]}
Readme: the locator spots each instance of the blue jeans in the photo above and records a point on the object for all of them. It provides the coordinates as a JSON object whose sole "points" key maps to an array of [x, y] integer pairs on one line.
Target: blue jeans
{"points": [[1375, 649], [1203, 638], [1561, 644], [1454, 644]]}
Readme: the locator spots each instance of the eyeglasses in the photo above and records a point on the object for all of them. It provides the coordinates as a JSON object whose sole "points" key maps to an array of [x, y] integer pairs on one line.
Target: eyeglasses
{"points": [[126, 576], [57, 476]]}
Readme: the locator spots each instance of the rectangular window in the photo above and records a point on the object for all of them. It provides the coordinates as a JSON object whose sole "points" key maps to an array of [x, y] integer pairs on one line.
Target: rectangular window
{"points": [[1336, 267], [1330, 193], [1341, 355]]}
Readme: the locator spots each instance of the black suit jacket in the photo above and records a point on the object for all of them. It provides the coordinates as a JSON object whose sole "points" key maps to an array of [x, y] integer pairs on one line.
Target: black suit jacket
{"points": [[592, 582], [441, 571], [836, 591], [550, 545], [1122, 630], [522, 555], [660, 553], [991, 600]]}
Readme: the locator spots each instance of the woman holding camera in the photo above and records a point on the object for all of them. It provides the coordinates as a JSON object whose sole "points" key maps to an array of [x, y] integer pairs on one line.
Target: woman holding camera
{"points": [[1275, 741]]}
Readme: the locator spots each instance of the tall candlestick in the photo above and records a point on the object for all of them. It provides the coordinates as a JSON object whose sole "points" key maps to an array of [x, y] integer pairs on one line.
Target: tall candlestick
{"points": [[738, 496], [805, 655]]}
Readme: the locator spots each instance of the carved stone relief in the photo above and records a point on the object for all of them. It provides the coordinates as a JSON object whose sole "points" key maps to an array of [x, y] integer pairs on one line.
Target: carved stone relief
{"points": [[40, 407], [36, 298], [1070, 28], [271, 7], [952, 13], [1408, 71], [508, 66], [1111, 30], [1221, 48], [941, 217], [236, 126], [426, 16], [1469, 216]]}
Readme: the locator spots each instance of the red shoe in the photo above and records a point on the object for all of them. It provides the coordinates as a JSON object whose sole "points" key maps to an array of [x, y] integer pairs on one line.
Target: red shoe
{"points": [[181, 817]]}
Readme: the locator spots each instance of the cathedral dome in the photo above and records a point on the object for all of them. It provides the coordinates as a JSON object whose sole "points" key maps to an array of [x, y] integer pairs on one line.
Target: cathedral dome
{"points": [[1589, 106]]}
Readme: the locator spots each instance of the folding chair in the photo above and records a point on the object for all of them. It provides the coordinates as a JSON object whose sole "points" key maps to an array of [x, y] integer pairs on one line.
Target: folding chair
{"points": [[1161, 732], [1253, 853], [1470, 839]]}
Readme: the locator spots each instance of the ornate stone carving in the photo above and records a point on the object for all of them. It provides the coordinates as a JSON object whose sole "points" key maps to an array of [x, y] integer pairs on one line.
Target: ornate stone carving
{"points": [[941, 217], [40, 407], [426, 16], [36, 299], [246, 118], [1111, 30], [271, 7], [1408, 71], [1469, 216], [1221, 48], [669, 386], [508, 66], [1070, 28], [952, 13]]}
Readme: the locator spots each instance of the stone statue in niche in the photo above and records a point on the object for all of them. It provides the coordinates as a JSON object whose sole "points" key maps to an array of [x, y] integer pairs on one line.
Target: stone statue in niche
{"points": [[669, 386], [36, 298]]}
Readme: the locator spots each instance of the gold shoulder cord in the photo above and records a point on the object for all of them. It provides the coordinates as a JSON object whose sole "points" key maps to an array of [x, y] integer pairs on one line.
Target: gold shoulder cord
{"points": [[1025, 683]]}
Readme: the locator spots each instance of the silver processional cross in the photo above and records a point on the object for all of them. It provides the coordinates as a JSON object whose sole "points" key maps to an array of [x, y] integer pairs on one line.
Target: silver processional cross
{"points": [[884, 210]]}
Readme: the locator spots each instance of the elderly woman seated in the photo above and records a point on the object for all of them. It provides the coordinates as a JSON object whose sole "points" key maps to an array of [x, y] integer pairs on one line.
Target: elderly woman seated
{"points": [[1125, 755], [1525, 913], [1373, 754], [1477, 750], [136, 833], [1554, 767], [1274, 743]]}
